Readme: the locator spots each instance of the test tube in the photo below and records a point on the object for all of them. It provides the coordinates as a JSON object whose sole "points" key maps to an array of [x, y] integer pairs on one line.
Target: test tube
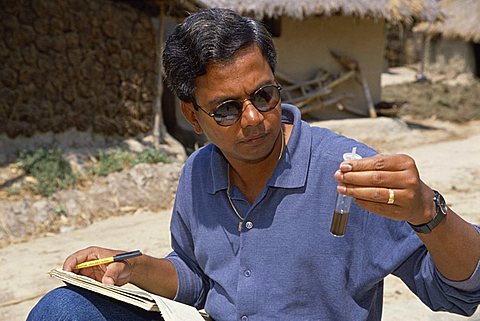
{"points": [[342, 204]]}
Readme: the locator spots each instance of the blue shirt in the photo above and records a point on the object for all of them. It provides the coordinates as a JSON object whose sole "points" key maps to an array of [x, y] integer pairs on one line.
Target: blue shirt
{"points": [[285, 264]]}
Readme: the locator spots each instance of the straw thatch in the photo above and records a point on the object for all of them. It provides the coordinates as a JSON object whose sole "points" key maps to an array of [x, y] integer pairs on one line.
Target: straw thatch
{"points": [[172, 8], [462, 20], [405, 11]]}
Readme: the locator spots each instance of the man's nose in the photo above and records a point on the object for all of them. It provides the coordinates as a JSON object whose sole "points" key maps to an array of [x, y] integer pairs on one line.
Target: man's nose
{"points": [[251, 116]]}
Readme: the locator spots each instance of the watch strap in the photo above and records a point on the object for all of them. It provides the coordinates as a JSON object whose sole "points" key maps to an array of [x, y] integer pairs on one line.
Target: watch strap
{"points": [[440, 214]]}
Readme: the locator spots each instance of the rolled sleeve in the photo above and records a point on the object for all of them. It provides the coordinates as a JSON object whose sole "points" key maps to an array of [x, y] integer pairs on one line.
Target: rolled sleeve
{"points": [[190, 284], [421, 276], [472, 284]]}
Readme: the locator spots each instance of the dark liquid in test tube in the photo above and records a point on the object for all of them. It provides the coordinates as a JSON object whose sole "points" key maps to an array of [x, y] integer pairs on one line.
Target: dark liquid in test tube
{"points": [[339, 223]]}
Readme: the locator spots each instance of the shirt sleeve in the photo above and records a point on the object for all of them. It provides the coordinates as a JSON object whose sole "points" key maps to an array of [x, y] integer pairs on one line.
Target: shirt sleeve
{"points": [[471, 284], [193, 284], [420, 274]]}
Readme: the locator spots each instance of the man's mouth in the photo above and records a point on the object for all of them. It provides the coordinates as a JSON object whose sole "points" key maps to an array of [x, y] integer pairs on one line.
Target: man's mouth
{"points": [[254, 139]]}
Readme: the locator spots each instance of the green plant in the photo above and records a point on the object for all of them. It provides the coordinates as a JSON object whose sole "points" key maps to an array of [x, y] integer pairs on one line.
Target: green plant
{"points": [[11, 191], [118, 159], [60, 210], [113, 161], [49, 168], [152, 156]]}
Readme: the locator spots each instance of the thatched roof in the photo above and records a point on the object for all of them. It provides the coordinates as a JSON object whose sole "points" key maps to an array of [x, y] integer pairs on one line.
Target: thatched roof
{"points": [[173, 8], [462, 20], [391, 10]]}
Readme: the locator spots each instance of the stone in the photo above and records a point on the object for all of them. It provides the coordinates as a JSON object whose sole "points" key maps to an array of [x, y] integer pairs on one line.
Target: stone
{"points": [[3, 50], [75, 56], [41, 25], [9, 77], [45, 63], [29, 54], [109, 28], [126, 58], [43, 43], [42, 208], [7, 96], [115, 61], [51, 93], [24, 75], [28, 91], [26, 15], [42, 7], [56, 27], [9, 39], [69, 93], [85, 89], [61, 63], [113, 46], [59, 44], [10, 22], [71, 39]]}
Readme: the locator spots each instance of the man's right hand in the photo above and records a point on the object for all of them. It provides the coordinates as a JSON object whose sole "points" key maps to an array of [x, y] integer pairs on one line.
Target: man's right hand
{"points": [[118, 273], [149, 273]]}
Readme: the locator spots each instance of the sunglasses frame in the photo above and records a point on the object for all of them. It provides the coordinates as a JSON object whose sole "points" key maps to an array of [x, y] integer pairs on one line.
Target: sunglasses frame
{"points": [[242, 102]]}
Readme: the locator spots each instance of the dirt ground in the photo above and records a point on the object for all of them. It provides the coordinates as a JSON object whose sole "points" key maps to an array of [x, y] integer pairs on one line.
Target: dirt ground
{"points": [[456, 100]]}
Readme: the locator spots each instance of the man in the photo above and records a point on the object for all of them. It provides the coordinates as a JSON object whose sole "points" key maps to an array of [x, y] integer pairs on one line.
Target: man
{"points": [[250, 224]]}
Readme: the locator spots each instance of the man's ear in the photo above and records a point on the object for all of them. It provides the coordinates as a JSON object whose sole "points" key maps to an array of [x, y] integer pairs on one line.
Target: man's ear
{"points": [[188, 112]]}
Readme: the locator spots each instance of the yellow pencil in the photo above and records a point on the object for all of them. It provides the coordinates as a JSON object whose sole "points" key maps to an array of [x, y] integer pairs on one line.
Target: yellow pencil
{"points": [[116, 258]]}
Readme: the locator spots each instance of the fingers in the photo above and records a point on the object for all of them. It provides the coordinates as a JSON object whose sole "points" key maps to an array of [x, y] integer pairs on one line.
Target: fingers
{"points": [[381, 172], [111, 274], [379, 162], [399, 197], [80, 256], [392, 211], [372, 178], [117, 273]]}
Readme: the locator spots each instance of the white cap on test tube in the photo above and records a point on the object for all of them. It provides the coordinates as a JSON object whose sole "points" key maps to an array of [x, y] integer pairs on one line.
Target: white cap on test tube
{"points": [[351, 156]]}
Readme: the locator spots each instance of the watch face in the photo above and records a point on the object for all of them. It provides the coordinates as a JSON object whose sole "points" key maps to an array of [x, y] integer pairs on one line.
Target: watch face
{"points": [[440, 202]]}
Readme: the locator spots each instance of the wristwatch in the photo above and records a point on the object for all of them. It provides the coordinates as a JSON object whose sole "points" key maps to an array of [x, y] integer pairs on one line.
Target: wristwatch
{"points": [[441, 212]]}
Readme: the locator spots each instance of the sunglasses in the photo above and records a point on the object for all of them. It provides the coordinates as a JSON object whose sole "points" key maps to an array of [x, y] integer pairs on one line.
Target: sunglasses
{"points": [[228, 112]]}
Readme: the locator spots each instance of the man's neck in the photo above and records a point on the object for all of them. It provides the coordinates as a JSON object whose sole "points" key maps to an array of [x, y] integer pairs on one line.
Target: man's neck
{"points": [[251, 179]]}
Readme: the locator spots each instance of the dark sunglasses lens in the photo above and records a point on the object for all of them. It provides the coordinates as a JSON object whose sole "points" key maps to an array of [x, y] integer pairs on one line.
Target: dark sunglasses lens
{"points": [[266, 98], [228, 112]]}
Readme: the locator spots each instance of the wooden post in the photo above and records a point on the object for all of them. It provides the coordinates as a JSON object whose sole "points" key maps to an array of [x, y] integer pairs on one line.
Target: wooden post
{"points": [[368, 96], [159, 129], [422, 56]]}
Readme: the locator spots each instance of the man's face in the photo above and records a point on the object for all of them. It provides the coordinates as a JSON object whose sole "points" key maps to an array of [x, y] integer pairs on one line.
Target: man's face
{"points": [[252, 138]]}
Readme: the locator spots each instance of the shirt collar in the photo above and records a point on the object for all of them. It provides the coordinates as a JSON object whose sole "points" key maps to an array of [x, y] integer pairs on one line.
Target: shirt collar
{"points": [[291, 170]]}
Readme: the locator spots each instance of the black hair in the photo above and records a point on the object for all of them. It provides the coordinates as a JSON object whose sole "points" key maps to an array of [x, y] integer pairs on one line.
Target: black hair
{"points": [[211, 35]]}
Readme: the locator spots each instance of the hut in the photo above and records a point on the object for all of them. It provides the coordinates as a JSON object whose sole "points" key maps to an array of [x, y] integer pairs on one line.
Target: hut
{"points": [[454, 42], [307, 32]]}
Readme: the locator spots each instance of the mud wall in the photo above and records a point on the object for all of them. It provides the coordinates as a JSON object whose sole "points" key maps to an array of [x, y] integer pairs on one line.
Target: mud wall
{"points": [[78, 64]]}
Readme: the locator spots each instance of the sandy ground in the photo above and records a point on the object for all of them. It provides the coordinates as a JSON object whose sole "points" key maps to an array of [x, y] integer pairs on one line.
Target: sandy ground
{"points": [[449, 166], [398, 75]]}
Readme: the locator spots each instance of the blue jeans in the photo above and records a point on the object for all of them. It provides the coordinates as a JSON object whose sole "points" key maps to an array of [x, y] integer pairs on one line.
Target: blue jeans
{"points": [[71, 303]]}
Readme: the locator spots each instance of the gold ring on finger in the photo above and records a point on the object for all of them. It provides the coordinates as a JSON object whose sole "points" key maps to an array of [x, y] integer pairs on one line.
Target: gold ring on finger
{"points": [[391, 196]]}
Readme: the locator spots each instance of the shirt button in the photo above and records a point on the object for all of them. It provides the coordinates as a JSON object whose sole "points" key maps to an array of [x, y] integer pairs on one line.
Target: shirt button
{"points": [[244, 318], [247, 273], [249, 225]]}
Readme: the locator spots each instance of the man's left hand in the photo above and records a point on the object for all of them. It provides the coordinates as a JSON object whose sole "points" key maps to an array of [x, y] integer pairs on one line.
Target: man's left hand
{"points": [[388, 185]]}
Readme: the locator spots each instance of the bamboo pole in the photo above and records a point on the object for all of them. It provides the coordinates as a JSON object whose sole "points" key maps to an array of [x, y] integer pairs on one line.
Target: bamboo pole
{"points": [[159, 129], [366, 90]]}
